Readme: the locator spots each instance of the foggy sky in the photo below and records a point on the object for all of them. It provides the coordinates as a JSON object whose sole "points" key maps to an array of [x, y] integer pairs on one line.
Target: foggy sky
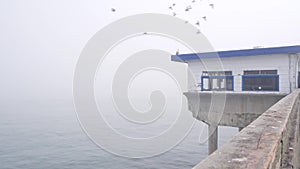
{"points": [[42, 40]]}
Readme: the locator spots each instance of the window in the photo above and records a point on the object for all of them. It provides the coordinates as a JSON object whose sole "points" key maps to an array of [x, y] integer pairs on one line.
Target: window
{"points": [[260, 80], [216, 73], [260, 72], [217, 81], [251, 72]]}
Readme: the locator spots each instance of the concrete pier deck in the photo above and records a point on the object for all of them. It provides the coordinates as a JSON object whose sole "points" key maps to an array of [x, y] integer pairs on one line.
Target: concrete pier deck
{"points": [[228, 109], [269, 142]]}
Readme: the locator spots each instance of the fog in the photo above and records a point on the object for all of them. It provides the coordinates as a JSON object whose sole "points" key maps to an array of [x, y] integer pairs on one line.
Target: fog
{"points": [[42, 40]]}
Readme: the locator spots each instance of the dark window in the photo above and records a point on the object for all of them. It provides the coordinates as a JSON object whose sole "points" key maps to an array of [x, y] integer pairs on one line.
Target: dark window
{"points": [[260, 72], [261, 80], [216, 73], [217, 81], [269, 72], [251, 72]]}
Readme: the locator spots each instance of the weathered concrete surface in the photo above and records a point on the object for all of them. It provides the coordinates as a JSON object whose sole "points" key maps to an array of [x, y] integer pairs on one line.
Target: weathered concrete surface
{"points": [[213, 138], [230, 109], [269, 142]]}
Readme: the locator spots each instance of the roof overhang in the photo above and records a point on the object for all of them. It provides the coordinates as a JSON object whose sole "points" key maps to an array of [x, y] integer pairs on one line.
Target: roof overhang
{"points": [[237, 53]]}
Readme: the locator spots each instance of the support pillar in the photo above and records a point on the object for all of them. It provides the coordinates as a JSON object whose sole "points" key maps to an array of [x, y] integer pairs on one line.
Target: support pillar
{"points": [[212, 138]]}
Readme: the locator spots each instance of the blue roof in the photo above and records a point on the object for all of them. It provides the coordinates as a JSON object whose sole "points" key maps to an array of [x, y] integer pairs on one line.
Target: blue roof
{"points": [[238, 53]]}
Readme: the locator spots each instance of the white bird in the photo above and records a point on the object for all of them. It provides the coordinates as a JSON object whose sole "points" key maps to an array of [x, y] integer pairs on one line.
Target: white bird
{"points": [[174, 14], [113, 9], [173, 4], [193, 1], [198, 31], [171, 7], [212, 6], [204, 18], [198, 23]]}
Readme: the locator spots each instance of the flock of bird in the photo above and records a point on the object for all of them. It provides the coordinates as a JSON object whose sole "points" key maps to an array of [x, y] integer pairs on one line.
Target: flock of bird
{"points": [[187, 9]]}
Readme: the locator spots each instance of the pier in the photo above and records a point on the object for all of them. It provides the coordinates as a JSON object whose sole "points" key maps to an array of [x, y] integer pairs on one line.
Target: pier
{"points": [[269, 136]]}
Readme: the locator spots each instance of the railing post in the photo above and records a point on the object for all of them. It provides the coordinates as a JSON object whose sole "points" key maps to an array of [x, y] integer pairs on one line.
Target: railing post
{"points": [[212, 138]]}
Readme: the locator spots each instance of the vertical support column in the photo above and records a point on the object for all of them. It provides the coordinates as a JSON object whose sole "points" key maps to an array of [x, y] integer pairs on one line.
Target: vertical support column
{"points": [[212, 138]]}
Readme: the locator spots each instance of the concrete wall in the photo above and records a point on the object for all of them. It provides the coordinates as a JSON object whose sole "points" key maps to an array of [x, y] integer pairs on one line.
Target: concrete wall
{"points": [[269, 142], [285, 64], [230, 109]]}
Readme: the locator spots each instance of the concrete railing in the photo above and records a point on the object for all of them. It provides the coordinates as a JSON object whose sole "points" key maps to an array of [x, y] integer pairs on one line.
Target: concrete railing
{"points": [[271, 141]]}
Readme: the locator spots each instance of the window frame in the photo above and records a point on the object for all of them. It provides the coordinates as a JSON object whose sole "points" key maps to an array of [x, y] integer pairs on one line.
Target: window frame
{"points": [[217, 77], [261, 76]]}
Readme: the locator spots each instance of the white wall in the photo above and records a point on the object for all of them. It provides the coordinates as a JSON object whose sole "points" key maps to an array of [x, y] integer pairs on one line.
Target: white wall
{"points": [[237, 65]]}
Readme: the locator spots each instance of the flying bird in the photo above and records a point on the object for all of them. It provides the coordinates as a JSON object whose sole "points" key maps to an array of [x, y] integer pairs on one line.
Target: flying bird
{"points": [[186, 21], [174, 14], [188, 8], [212, 6], [198, 31], [171, 7], [177, 52], [198, 23], [113, 9], [204, 18], [193, 1]]}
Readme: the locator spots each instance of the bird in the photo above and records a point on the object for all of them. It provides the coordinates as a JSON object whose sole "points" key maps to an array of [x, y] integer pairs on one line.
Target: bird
{"points": [[145, 33], [174, 14], [177, 52], [188, 8], [204, 18], [173, 4], [193, 1], [212, 6], [186, 21], [171, 7], [198, 31], [113, 9], [198, 23]]}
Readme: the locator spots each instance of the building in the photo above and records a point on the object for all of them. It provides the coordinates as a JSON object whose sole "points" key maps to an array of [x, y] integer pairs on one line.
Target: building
{"points": [[275, 70]]}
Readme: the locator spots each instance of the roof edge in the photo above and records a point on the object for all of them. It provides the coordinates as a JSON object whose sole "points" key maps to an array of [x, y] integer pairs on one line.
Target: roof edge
{"points": [[237, 53]]}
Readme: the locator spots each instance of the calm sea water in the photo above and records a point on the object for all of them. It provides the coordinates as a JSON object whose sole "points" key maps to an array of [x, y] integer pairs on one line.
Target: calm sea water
{"points": [[45, 134]]}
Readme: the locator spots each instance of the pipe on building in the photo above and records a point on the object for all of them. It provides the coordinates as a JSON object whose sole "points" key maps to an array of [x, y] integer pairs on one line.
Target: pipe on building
{"points": [[290, 71], [297, 70]]}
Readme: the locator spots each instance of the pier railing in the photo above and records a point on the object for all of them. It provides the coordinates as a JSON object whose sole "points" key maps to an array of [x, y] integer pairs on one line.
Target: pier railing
{"points": [[271, 141]]}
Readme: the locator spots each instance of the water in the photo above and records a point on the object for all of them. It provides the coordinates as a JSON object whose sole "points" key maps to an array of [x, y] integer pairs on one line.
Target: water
{"points": [[45, 134]]}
